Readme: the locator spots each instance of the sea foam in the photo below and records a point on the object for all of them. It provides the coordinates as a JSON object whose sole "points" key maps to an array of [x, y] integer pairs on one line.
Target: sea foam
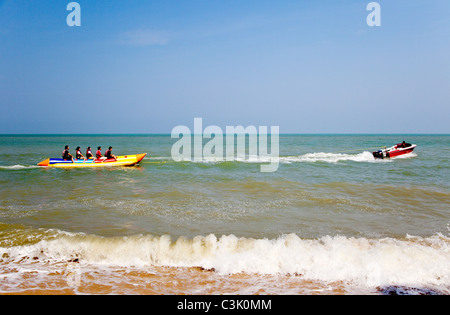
{"points": [[412, 261], [365, 156]]}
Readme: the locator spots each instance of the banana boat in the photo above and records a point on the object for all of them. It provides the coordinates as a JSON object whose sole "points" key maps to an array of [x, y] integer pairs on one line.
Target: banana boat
{"points": [[125, 160]]}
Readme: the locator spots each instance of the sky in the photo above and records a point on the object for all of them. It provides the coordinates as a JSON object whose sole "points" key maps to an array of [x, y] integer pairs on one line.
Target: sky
{"points": [[148, 66]]}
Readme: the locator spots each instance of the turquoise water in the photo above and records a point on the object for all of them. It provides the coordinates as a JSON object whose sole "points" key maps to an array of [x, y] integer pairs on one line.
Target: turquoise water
{"points": [[327, 187]]}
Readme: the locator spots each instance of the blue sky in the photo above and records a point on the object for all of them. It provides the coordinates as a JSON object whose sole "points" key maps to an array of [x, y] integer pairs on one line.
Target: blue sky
{"points": [[148, 66]]}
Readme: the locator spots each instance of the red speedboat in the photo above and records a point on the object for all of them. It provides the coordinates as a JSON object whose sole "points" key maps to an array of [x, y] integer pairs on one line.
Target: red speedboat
{"points": [[396, 150]]}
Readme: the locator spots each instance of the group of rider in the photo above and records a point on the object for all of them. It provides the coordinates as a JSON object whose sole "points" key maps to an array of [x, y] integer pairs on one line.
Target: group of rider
{"points": [[79, 156]]}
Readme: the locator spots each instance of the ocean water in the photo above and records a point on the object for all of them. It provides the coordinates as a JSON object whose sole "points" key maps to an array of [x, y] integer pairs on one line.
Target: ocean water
{"points": [[330, 220]]}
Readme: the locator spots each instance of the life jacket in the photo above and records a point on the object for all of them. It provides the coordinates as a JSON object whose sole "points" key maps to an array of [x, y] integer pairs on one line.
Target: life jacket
{"points": [[65, 154], [98, 154], [88, 154], [78, 154], [108, 154]]}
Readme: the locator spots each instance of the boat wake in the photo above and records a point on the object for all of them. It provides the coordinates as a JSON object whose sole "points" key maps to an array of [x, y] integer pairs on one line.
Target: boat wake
{"points": [[338, 157], [329, 157], [18, 167], [308, 157]]}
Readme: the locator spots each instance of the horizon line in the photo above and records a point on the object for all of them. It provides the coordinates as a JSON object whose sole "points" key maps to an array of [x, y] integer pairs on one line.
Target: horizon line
{"points": [[169, 134]]}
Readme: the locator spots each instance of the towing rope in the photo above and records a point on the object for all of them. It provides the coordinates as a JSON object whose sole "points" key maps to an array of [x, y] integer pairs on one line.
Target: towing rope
{"points": [[364, 149]]}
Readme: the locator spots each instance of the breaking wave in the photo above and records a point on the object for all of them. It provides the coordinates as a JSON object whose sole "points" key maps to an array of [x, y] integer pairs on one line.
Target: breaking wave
{"points": [[412, 261]]}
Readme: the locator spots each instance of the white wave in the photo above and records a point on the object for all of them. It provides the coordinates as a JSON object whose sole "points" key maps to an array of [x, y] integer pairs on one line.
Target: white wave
{"points": [[309, 157], [329, 157], [365, 156], [413, 261], [18, 167]]}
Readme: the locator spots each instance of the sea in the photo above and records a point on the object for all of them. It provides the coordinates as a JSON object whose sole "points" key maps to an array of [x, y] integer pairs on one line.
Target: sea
{"points": [[330, 220]]}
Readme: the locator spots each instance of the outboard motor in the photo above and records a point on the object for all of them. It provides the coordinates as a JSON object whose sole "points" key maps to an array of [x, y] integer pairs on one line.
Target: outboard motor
{"points": [[378, 154]]}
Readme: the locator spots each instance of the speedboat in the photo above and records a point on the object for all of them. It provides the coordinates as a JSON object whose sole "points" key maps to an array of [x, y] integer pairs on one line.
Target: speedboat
{"points": [[126, 160], [396, 150]]}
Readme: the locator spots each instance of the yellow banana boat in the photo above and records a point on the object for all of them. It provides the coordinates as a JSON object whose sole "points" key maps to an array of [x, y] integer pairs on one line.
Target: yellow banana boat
{"points": [[125, 160]]}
